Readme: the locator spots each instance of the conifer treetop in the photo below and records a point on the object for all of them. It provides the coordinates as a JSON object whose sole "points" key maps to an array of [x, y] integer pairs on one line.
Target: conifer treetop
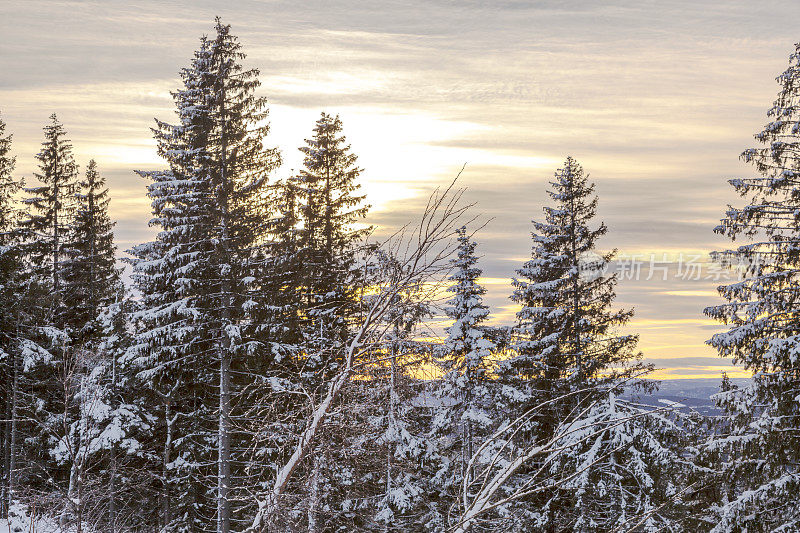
{"points": [[329, 181]]}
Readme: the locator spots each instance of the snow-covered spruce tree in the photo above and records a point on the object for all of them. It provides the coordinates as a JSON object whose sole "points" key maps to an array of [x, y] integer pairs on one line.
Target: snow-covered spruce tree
{"points": [[404, 500], [23, 360], [91, 275], [565, 338], [763, 441], [196, 337], [397, 460], [51, 211], [327, 243], [566, 343], [61, 374], [467, 413]]}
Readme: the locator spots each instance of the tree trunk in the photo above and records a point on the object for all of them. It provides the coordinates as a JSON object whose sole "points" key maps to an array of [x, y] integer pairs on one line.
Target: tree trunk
{"points": [[7, 439], [112, 482], [313, 504], [112, 492], [73, 496], [393, 424], [12, 444], [223, 480], [226, 343], [74, 491], [165, 496]]}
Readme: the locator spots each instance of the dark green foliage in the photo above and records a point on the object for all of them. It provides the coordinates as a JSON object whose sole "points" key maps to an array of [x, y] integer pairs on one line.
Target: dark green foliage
{"points": [[91, 275]]}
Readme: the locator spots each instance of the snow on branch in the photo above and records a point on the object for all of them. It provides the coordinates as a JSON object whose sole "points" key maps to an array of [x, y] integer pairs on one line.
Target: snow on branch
{"points": [[497, 461]]}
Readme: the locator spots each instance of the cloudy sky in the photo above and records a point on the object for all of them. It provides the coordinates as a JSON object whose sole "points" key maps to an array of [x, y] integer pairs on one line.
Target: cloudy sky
{"points": [[655, 99]]}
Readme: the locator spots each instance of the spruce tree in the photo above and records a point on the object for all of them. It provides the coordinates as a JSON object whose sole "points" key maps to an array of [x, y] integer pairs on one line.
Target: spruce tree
{"points": [[762, 443], [402, 442], [565, 338], [309, 275], [327, 243], [326, 286], [197, 278], [51, 209], [54, 376], [466, 359], [25, 362], [566, 350], [92, 275]]}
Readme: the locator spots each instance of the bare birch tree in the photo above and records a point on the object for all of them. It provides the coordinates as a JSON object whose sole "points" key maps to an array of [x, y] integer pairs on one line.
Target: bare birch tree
{"points": [[420, 256]]}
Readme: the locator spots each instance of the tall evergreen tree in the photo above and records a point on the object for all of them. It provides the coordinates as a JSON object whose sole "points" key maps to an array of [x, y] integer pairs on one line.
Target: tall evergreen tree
{"points": [[565, 336], [567, 351], [466, 359], [402, 442], [313, 276], [197, 278], [325, 294], [762, 444], [92, 275], [51, 214], [53, 376]]}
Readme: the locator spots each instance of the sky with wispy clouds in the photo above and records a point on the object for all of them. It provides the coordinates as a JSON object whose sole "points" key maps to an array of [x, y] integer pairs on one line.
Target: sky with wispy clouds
{"points": [[656, 99]]}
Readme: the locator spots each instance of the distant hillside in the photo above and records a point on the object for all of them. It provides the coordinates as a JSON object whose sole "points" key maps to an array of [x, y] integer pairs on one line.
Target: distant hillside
{"points": [[692, 393]]}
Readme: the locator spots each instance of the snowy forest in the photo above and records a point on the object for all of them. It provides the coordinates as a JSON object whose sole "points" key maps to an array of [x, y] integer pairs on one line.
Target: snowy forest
{"points": [[269, 364]]}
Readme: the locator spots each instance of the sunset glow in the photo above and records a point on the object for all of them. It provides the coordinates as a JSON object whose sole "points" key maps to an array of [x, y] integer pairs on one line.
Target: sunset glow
{"points": [[656, 106]]}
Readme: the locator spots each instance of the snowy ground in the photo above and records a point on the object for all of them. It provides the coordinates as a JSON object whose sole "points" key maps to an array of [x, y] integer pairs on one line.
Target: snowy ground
{"points": [[19, 522]]}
